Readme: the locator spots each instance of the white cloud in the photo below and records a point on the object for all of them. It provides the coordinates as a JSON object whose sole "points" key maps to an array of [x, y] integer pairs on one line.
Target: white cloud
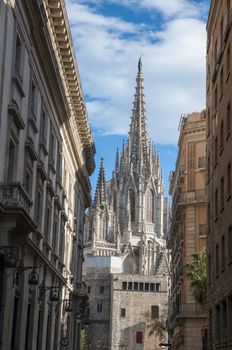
{"points": [[173, 63]]}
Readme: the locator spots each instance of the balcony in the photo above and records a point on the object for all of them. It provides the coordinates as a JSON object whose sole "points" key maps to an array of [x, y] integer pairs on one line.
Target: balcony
{"points": [[15, 201], [197, 196], [140, 226]]}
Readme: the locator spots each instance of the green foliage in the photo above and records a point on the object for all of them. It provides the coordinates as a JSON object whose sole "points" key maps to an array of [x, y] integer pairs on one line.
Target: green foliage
{"points": [[196, 271], [84, 339], [158, 328]]}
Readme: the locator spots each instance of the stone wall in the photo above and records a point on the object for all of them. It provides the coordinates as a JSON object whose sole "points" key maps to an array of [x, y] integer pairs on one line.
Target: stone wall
{"points": [[131, 309]]}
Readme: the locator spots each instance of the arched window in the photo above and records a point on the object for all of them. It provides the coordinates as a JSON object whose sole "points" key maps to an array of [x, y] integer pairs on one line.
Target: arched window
{"points": [[129, 265], [132, 205], [150, 206]]}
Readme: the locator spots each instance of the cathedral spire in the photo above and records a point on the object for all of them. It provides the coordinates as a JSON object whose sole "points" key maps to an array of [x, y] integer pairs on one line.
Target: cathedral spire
{"points": [[116, 163], [138, 136], [100, 194]]}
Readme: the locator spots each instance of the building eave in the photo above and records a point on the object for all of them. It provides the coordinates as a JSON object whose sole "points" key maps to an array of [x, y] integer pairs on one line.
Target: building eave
{"points": [[60, 30]]}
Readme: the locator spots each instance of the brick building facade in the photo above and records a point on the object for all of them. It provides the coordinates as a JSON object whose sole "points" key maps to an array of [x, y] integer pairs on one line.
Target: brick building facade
{"points": [[187, 232], [219, 145]]}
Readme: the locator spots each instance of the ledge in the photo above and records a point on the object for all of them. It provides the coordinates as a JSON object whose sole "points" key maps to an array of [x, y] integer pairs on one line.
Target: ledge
{"points": [[14, 111]]}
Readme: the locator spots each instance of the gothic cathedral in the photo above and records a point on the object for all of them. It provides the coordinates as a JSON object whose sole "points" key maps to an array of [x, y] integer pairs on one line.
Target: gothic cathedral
{"points": [[126, 262]]}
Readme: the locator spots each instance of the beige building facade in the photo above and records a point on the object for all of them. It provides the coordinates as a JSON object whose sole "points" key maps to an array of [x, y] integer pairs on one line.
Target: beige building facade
{"points": [[219, 145], [46, 158], [187, 232], [126, 264]]}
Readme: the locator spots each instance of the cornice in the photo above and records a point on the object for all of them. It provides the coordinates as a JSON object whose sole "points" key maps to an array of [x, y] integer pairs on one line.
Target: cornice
{"points": [[63, 47]]}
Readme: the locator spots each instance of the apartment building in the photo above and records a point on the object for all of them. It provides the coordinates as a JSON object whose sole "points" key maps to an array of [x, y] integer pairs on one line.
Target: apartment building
{"points": [[219, 145], [187, 233], [46, 158]]}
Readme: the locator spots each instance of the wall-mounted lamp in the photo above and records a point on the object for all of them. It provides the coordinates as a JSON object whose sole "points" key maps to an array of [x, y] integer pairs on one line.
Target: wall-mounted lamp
{"points": [[64, 341], [11, 261], [67, 304], [54, 295]]}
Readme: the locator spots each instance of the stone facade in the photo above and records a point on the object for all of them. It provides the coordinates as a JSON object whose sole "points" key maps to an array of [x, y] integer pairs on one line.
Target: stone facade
{"points": [[219, 145], [187, 232], [46, 157], [125, 234]]}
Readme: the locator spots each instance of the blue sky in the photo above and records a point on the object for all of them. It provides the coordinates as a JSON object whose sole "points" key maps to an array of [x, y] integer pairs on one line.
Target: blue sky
{"points": [[109, 36]]}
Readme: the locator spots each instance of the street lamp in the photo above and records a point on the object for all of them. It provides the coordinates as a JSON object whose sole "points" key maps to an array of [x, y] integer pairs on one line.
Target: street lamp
{"points": [[11, 261], [54, 293]]}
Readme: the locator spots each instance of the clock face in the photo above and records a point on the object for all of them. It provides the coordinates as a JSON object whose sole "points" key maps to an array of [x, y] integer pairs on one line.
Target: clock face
{"points": [[64, 341]]}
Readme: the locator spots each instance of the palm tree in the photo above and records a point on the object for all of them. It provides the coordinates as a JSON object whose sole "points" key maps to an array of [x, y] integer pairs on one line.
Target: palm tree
{"points": [[196, 272]]}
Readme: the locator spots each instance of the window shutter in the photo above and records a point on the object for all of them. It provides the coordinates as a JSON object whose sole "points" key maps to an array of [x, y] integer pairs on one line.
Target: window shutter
{"points": [[139, 337]]}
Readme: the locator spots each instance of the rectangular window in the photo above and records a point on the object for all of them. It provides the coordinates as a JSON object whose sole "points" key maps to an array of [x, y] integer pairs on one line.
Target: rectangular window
{"points": [[224, 319], [136, 286], [99, 307], [123, 312], [47, 223], [33, 99], [52, 147], [228, 179], [27, 343], [221, 81], [146, 287], [215, 49], [18, 58], [221, 29], [221, 136], [61, 242], [11, 162], [228, 60], [229, 310], [228, 119], [59, 166], [39, 204], [28, 180], [215, 149], [154, 311], [39, 330], [157, 287], [152, 287], [140, 286], [43, 128], [55, 234], [124, 285], [217, 259], [139, 337], [215, 99], [130, 286], [223, 252], [216, 204], [230, 243], [15, 323], [102, 289], [48, 333], [222, 192], [217, 325]]}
